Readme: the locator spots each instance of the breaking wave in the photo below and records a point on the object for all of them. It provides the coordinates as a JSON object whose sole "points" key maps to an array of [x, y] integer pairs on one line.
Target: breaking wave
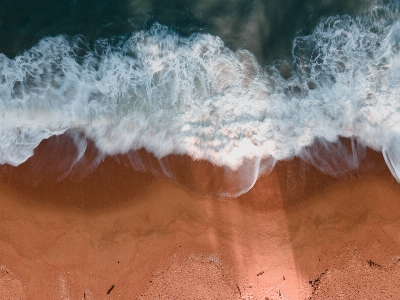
{"points": [[193, 96]]}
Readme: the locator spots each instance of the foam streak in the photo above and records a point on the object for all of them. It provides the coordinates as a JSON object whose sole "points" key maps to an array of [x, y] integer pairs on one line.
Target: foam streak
{"points": [[193, 96]]}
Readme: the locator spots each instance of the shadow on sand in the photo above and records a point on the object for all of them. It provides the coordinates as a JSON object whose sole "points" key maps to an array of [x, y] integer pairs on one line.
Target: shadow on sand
{"points": [[291, 227]]}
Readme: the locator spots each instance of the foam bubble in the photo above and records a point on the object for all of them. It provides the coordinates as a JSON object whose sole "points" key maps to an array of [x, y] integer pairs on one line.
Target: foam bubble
{"points": [[391, 153], [174, 95]]}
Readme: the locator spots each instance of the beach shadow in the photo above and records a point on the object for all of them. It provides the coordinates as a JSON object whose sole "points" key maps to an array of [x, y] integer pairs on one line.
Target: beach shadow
{"points": [[296, 214], [54, 177], [327, 216]]}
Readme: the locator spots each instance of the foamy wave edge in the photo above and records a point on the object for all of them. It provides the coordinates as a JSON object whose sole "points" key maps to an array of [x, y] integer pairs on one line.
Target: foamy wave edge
{"points": [[194, 96]]}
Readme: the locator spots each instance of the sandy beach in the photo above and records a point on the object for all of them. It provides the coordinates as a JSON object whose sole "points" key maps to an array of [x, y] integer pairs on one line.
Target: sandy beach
{"points": [[121, 234]]}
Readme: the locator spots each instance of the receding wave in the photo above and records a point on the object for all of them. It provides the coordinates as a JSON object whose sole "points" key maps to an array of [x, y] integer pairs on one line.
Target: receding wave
{"points": [[193, 96]]}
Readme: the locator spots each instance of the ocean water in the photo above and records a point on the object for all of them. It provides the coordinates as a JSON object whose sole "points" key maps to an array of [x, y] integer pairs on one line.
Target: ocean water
{"points": [[239, 84]]}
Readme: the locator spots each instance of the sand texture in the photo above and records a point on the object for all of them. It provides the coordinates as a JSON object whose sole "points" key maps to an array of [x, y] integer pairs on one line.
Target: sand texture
{"points": [[121, 234]]}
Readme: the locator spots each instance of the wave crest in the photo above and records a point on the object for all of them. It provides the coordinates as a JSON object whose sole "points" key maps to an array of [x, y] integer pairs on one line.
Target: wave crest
{"points": [[193, 96]]}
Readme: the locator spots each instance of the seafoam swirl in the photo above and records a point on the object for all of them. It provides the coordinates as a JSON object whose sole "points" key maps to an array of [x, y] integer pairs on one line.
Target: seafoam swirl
{"points": [[174, 95]]}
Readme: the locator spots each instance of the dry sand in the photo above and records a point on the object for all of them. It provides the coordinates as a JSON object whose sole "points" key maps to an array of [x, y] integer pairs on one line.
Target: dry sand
{"points": [[120, 234]]}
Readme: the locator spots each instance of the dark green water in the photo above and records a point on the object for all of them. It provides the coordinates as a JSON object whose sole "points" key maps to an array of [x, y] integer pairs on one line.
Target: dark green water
{"points": [[240, 84], [266, 28]]}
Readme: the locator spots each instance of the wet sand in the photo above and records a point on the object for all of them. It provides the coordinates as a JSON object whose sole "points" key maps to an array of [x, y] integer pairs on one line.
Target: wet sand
{"points": [[120, 234]]}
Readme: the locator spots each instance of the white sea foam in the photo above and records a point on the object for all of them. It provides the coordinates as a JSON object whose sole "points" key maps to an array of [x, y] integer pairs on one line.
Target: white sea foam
{"points": [[175, 95]]}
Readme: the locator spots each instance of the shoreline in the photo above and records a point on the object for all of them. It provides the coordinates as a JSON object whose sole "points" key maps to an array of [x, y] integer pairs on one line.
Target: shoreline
{"points": [[289, 237]]}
